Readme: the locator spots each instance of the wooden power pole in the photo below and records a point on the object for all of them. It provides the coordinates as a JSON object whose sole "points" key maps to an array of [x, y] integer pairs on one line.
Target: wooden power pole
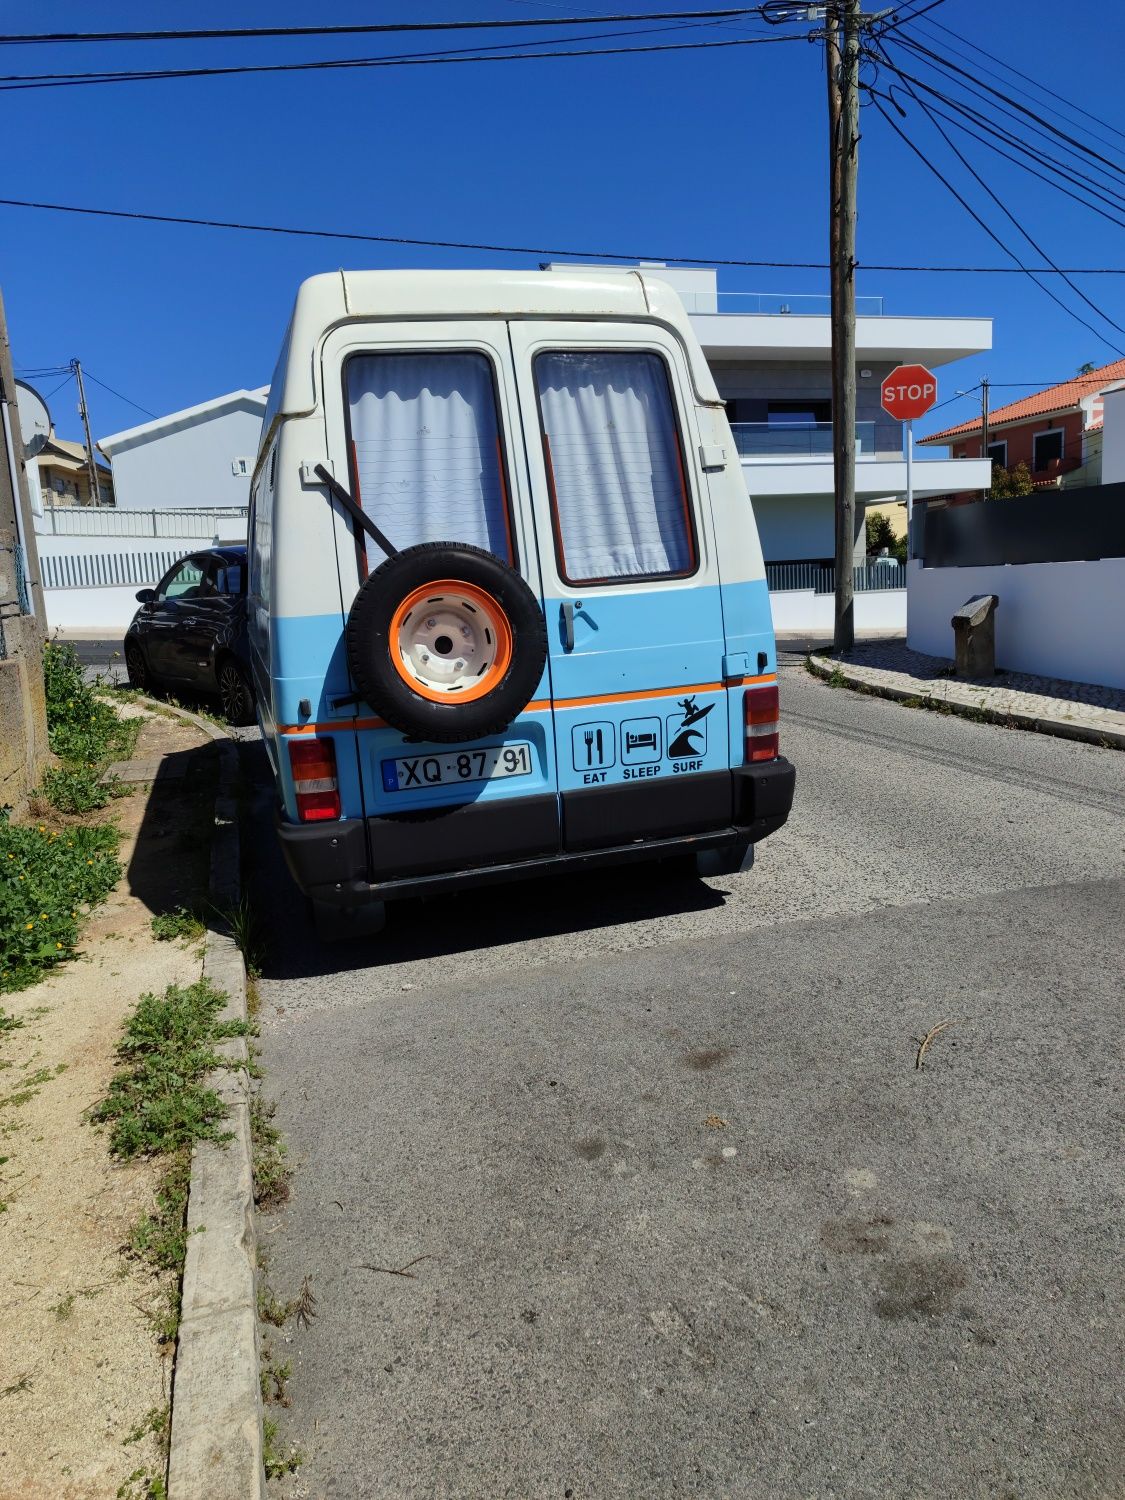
{"points": [[91, 466], [842, 51]]}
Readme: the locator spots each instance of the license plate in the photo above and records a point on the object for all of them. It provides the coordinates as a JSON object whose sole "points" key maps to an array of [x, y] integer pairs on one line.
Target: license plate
{"points": [[491, 763]]}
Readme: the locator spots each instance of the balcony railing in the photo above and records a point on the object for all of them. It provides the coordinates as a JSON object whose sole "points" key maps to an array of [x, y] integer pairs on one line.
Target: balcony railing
{"points": [[797, 439], [774, 304]]}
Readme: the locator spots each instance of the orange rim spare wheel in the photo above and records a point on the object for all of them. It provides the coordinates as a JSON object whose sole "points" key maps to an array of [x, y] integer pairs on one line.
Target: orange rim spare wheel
{"points": [[450, 642]]}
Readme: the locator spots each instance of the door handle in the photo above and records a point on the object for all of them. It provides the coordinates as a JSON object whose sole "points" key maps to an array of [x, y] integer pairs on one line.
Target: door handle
{"points": [[566, 615]]}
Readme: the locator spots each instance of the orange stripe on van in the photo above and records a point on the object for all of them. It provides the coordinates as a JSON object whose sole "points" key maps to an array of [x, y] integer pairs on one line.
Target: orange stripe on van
{"points": [[543, 705]]}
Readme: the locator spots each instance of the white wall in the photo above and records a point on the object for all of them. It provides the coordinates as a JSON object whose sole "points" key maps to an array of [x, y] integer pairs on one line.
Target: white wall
{"points": [[801, 609], [794, 528], [1113, 441], [188, 467], [1058, 619], [91, 612]]}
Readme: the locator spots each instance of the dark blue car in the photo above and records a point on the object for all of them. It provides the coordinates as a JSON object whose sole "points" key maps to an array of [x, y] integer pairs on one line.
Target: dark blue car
{"points": [[190, 631]]}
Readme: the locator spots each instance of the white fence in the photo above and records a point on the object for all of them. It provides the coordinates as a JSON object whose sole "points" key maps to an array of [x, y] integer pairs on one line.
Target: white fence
{"points": [[97, 570], [1055, 619], [229, 522]]}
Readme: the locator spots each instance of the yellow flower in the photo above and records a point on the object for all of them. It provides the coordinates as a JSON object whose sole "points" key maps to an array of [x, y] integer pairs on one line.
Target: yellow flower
{"points": [[58, 945], [89, 861], [42, 916], [31, 924]]}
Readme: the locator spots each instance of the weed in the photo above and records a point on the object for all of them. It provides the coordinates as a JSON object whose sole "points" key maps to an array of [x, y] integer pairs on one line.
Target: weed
{"points": [[157, 1421], [182, 922], [159, 1102], [247, 931], [253, 996], [31, 1085], [160, 1237], [8, 1023], [62, 1310], [271, 1167], [274, 1378], [81, 729], [272, 1310], [47, 877], [836, 678], [277, 1463], [78, 789], [143, 1484], [22, 1384]]}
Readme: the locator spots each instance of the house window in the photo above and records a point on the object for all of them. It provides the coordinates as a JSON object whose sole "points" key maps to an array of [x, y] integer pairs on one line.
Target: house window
{"points": [[998, 453], [797, 413], [240, 467], [1046, 447]]}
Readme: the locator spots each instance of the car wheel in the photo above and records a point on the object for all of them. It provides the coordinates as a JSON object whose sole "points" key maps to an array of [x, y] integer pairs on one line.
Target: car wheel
{"points": [[139, 675], [446, 642], [235, 693]]}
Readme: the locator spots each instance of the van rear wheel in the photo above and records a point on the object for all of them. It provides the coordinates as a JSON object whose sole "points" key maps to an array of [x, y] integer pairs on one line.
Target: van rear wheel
{"points": [[446, 642]]}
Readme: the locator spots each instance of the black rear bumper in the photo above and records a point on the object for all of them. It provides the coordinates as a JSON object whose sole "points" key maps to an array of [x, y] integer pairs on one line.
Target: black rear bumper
{"points": [[354, 861]]}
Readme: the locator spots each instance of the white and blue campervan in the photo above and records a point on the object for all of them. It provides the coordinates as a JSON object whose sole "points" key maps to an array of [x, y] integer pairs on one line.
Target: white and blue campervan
{"points": [[508, 612]]}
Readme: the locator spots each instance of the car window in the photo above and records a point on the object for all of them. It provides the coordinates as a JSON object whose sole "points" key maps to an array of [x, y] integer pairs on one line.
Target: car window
{"points": [[228, 578], [615, 467], [185, 583], [426, 436]]}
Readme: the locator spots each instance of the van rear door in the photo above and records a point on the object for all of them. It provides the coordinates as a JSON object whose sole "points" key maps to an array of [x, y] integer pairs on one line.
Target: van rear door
{"points": [[631, 581], [423, 427]]}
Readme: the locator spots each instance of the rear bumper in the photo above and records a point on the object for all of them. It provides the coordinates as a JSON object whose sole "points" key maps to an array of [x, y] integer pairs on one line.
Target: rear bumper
{"points": [[355, 861]]}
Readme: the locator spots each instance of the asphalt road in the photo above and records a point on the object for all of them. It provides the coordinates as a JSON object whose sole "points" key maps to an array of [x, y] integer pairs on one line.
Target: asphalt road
{"points": [[677, 1214]]}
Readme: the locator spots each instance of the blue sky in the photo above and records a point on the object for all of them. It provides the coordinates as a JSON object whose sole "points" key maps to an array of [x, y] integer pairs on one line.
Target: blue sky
{"points": [[706, 153]]}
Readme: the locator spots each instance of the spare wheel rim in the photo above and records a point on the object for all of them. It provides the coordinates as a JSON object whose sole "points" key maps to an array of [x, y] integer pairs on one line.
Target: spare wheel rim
{"points": [[450, 642]]}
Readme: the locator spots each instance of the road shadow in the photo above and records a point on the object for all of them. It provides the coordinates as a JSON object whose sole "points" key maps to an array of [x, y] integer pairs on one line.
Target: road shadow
{"points": [[458, 922]]}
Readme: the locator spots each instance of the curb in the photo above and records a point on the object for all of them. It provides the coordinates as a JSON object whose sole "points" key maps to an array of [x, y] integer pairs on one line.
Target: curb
{"points": [[825, 667], [212, 731], [216, 1445]]}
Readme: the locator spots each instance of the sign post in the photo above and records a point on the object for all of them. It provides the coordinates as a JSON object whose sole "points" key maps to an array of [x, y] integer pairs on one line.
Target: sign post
{"points": [[908, 392]]}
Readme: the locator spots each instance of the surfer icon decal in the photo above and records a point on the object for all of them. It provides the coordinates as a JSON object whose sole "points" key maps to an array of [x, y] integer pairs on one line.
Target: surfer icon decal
{"points": [[687, 732]]}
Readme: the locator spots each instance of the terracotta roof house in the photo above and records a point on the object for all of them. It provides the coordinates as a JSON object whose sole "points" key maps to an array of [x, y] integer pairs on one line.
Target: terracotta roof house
{"points": [[1056, 432]]}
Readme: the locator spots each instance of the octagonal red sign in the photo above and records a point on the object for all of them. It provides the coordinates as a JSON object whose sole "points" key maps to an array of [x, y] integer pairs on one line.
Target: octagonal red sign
{"points": [[909, 391]]}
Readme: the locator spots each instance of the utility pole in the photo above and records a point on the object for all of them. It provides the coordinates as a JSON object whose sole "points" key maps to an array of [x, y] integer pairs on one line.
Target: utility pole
{"points": [[842, 54], [91, 466], [23, 721]]}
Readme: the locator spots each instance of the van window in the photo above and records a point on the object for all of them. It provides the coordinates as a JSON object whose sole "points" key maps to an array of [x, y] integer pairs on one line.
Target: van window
{"points": [[615, 466], [426, 438]]}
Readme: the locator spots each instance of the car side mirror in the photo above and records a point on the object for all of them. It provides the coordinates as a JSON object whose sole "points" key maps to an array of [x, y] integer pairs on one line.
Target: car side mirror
{"points": [[146, 596]]}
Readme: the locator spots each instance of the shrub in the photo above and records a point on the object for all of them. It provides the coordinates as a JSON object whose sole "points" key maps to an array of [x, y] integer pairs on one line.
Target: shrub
{"points": [[83, 731], [46, 878]]}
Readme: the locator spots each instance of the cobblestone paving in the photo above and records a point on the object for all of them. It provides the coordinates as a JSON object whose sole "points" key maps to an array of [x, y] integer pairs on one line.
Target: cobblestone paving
{"points": [[891, 665]]}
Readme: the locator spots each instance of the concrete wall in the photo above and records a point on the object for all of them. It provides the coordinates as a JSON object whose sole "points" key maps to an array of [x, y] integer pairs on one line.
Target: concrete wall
{"points": [[802, 610], [189, 467], [19, 767], [791, 380], [91, 612], [1055, 619], [1113, 441]]}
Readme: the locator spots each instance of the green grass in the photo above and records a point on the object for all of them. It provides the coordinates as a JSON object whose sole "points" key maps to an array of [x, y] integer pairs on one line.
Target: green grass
{"points": [[271, 1165], [278, 1463], [181, 922], [159, 1101], [48, 881], [247, 930], [84, 732]]}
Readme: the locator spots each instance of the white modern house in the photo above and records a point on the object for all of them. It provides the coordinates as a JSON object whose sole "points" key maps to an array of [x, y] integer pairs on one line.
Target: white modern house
{"points": [[197, 458]]}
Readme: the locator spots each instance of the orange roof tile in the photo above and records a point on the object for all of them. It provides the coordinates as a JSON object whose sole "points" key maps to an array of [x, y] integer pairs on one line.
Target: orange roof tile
{"points": [[1062, 397]]}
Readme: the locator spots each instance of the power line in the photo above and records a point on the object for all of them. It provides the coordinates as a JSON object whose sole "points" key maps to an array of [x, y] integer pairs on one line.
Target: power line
{"points": [[989, 231], [19, 82], [916, 15], [1035, 245], [383, 28], [118, 394], [1042, 87], [58, 388], [584, 254]]}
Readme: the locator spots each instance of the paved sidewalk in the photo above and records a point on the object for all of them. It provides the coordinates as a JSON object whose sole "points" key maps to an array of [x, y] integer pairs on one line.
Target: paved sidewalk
{"points": [[1075, 710]]}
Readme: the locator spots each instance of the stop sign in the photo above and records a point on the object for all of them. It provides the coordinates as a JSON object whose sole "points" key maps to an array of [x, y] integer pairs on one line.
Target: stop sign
{"points": [[908, 392]]}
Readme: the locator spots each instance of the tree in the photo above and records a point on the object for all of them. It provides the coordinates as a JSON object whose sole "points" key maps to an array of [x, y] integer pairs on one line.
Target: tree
{"points": [[1009, 484], [880, 534], [1088, 368]]}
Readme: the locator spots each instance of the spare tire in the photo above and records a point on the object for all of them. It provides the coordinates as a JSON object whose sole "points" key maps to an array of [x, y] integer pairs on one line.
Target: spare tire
{"points": [[446, 642]]}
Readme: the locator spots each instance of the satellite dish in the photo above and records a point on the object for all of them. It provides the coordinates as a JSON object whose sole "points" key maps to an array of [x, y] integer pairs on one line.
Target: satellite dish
{"points": [[35, 420]]}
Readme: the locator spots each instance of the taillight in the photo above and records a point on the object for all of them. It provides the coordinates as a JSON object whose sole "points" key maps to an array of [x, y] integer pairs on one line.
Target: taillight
{"points": [[761, 716], [313, 763]]}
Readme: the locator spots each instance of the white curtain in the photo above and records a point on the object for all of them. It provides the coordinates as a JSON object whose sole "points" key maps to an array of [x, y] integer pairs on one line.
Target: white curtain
{"points": [[611, 431], [427, 450]]}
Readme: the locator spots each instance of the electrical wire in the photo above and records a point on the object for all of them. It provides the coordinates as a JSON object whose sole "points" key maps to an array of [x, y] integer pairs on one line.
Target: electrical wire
{"points": [[381, 28], [538, 250], [58, 388], [112, 392], [20, 82], [1035, 245], [1042, 87], [916, 15], [1027, 271]]}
